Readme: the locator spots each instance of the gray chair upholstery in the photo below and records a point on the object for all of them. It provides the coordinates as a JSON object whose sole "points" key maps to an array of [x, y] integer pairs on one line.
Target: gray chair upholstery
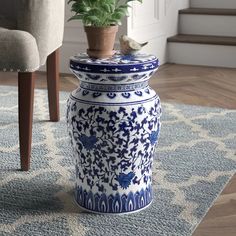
{"points": [[30, 30]]}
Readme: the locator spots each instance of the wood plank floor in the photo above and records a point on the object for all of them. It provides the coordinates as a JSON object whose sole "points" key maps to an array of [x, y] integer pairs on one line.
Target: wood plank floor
{"points": [[204, 86]]}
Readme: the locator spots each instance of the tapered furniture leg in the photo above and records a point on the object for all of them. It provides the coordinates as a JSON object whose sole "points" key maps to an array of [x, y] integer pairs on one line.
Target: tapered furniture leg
{"points": [[53, 85], [26, 100]]}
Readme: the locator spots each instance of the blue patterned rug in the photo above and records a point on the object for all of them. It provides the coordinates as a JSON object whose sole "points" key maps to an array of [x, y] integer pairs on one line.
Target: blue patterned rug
{"points": [[193, 162]]}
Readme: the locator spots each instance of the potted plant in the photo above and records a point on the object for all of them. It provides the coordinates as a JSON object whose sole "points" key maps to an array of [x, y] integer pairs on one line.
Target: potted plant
{"points": [[100, 19]]}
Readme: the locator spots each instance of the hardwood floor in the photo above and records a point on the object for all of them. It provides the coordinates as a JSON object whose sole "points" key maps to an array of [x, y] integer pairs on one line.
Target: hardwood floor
{"points": [[204, 86]]}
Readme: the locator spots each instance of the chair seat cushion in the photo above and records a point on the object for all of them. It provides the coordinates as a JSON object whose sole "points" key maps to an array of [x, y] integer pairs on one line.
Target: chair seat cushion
{"points": [[18, 51]]}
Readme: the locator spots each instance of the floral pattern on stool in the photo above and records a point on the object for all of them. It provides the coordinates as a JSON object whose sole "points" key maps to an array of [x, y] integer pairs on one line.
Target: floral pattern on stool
{"points": [[114, 124]]}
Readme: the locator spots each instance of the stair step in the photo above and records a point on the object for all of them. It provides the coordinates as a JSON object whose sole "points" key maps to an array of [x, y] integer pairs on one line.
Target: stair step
{"points": [[202, 50], [228, 4], [209, 11], [203, 39], [208, 22]]}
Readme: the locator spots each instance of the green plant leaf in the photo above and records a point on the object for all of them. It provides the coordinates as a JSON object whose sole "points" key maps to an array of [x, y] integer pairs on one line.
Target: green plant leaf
{"points": [[141, 1], [100, 12], [76, 17], [92, 18], [106, 7], [121, 10]]}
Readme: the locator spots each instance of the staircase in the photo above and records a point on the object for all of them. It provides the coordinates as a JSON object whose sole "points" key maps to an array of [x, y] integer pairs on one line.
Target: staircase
{"points": [[207, 34]]}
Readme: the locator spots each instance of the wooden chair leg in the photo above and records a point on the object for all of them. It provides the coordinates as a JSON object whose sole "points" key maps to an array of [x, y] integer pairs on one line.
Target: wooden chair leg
{"points": [[53, 85], [26, 100]]}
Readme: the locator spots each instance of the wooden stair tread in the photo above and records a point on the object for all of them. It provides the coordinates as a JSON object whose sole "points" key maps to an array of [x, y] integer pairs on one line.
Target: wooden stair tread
{"points": [[203, 39], [209, 11]]}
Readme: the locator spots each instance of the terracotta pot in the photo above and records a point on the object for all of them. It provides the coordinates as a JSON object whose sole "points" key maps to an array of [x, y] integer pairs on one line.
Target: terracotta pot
{"points": [[101, 41]]}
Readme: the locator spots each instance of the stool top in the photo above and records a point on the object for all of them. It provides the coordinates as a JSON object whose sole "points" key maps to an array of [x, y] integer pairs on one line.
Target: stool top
{"points": [[117, 64]]}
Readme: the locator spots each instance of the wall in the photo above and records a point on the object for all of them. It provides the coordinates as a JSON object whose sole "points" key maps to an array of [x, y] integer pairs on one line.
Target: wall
{"points": [[152, 21]]}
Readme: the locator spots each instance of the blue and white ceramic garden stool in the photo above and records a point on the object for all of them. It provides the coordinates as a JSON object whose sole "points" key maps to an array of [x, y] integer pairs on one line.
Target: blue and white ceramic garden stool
{"points": [[114, 123]]}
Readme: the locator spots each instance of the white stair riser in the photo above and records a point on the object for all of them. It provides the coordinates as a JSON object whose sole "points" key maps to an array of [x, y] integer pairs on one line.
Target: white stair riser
{"points": [[227, 4], [202, 54], [207, 25]]}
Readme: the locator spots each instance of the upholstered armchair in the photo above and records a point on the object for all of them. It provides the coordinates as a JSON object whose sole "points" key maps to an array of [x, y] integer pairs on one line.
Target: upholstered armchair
{"points": [[31, 31]]}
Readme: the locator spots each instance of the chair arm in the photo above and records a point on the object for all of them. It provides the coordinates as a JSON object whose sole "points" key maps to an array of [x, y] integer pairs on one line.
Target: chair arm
{"points": [[44, 19]]}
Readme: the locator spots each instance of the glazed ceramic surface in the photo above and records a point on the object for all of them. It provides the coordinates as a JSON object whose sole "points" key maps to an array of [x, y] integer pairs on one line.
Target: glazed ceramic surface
{"points": [[114, 124]]}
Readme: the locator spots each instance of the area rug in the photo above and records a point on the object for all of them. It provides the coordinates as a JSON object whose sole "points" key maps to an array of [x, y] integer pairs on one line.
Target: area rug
{"points": [[193, 162]]}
